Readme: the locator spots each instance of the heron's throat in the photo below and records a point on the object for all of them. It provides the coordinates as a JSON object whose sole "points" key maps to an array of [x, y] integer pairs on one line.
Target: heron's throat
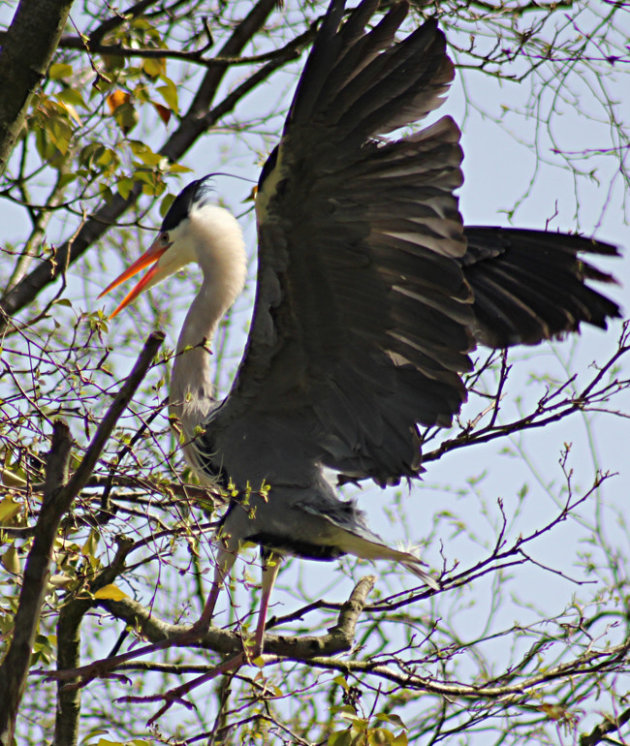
{"points": [[220, 251]]}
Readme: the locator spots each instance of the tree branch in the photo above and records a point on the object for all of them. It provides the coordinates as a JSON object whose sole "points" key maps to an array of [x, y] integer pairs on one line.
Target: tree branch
{"points": [[338, 639], [24, 58], [193, 124], [14, 668], [58, 497], [599, 732]]}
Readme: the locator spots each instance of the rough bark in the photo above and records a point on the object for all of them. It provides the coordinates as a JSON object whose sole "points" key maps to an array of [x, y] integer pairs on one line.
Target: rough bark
{"points": [[26, 52]]}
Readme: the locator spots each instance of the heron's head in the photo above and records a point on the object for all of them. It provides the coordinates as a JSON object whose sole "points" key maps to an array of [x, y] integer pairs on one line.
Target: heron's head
{"points": [[184, 228]]}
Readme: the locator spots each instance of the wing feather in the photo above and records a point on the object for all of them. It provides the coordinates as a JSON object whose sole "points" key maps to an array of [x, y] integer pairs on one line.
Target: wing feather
{"points": [[369, 290], [531, 285], [356, 232]]}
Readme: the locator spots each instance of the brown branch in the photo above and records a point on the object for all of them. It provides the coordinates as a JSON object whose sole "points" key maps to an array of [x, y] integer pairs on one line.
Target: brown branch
{"points": [[548, 410], [26, 52], [192, 125], [195, 57], [589, 663], [121, 401], [599, 732], [68, 636], [14, 668], [338, 639], [58, 497]]}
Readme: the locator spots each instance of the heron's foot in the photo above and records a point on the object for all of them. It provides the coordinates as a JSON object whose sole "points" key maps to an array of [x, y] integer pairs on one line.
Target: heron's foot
{"points": [[178, 694], [77, 678]]}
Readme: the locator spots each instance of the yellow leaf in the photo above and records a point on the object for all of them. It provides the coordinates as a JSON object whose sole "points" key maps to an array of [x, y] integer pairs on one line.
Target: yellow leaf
{"points": [[347, 713], [9, 507], [401, 739], [11, 561], [154, 66], [169, 93], [91, 544], [72, 112], [71, 96], [116, 99], [60, 70], [11, 479], [110, 592]]}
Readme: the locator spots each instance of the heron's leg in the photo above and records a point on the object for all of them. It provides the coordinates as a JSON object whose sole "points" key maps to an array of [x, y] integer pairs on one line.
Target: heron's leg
{"points": [[271, 565], [224, 563]]}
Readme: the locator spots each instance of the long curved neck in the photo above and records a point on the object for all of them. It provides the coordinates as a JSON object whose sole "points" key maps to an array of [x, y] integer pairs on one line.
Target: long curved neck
{"points": [[219, 249]]}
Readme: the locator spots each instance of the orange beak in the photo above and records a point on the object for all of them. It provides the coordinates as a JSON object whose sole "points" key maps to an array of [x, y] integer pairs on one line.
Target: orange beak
{"points": [[151, 256]]}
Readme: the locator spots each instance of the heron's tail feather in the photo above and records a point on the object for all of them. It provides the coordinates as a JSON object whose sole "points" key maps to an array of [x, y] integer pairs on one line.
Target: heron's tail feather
{"points": [[369, 547], [342, 525], [427, 579]]}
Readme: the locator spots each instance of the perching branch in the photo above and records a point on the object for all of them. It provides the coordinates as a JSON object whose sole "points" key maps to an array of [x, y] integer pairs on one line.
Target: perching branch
{"points": [[58, 497], [337, 639], [14, 668]]}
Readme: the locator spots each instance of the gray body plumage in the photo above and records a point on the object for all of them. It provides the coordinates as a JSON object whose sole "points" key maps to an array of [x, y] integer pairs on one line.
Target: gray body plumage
{"points": [[371, 294]]}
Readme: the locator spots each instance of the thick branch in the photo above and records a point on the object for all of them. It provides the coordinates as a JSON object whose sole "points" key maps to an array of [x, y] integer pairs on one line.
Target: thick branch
{"points": [[193, 124], [68, 636], [14, 669], [599, 733], [58, 497], [26, 53], [338, 639]]}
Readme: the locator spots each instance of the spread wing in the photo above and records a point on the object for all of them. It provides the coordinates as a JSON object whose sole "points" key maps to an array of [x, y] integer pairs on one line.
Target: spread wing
{"points": [[530, 285], [361, 318], [369, 289]]}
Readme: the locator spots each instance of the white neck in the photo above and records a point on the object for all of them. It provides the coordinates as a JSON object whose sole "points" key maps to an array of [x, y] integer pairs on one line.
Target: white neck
{"points": [[216, 239]]}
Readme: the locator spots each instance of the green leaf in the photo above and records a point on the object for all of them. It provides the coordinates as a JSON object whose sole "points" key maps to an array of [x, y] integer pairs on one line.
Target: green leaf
{"points": [[340, 738], [60, 133], [168, 91], [166, 203], [387, 717], [71, 96], [59, 71], [90, 153], [177, 168], [348, 713], [379, 737], [146, 155], [91, 544], [124, 186], [11, 561]]}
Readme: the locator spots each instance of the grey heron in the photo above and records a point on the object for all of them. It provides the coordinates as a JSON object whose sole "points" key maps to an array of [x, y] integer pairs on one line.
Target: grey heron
{"points": [[370, 296]]}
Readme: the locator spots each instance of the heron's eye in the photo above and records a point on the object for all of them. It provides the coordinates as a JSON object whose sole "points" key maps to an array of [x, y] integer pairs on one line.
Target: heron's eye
{"points": [[164, 239]]}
